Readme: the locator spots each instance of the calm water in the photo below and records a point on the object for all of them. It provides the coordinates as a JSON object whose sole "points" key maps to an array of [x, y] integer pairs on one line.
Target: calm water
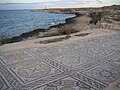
{"points": [[14, 23]]}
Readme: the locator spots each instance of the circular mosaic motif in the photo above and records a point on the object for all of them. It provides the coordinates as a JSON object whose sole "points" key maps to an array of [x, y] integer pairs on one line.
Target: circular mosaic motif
{"points": [[50, 88], [34, 70], [84, 87], [67, 88], [105, 74]]}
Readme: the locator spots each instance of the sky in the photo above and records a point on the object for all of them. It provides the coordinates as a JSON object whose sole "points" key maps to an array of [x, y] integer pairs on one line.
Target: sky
{"points": [[40, 4]]}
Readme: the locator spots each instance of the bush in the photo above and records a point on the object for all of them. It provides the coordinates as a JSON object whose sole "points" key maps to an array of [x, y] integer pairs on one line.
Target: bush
{"points": [[66, 30], [60, 31], [48, 34]]}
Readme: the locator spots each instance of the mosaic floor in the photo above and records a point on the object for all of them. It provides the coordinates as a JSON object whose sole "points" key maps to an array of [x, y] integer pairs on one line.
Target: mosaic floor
{"points": [[85, 64]]}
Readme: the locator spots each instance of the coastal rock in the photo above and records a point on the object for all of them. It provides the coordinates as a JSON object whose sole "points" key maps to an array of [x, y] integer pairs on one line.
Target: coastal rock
{"points": [[109, 26], [107, 17], [96, 16]]}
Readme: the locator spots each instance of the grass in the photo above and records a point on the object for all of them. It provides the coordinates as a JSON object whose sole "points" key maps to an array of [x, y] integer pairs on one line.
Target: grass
{"points": [[54, 40], [82, 34], [60, 31]]}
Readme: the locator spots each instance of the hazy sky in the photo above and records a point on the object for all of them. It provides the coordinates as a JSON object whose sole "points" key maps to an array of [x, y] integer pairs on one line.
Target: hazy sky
{"points": [[21, 4]]}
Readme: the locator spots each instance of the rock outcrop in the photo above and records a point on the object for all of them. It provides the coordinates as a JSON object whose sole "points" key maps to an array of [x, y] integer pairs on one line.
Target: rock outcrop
{"points": [[107, 17]]}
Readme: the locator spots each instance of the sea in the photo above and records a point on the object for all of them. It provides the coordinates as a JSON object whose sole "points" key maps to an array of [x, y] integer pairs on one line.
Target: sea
{"points": [[15, 22]]}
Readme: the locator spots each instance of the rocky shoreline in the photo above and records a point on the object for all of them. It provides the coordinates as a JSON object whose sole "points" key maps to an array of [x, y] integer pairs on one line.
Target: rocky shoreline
{"points": [[36, 32], [86, 18]]}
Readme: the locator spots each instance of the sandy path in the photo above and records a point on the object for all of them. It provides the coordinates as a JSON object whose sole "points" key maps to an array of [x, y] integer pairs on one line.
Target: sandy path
{"points": [[32, 43]]}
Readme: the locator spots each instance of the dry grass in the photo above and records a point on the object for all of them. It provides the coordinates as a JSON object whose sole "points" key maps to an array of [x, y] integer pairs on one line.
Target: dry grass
{"points": [[60, 31], [82, 34], [54, 40], [49, 33], [67, 30]]}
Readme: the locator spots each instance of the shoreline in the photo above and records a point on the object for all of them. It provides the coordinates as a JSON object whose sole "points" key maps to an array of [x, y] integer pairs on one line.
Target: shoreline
{"points": [[106, 17], [25, 36]]}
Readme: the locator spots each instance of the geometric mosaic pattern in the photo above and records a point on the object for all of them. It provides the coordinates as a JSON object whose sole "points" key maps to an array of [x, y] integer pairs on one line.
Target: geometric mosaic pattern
{"points": [[3, 85], [83, 64]]}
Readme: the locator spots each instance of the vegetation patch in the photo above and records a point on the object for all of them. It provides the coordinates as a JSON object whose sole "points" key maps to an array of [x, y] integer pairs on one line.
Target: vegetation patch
{"points": [[60, 31], [82, 34], [67, 30], [54, 40]]}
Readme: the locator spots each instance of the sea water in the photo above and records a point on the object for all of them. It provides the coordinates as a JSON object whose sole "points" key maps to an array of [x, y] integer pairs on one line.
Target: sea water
{"points": [[15, 22]]}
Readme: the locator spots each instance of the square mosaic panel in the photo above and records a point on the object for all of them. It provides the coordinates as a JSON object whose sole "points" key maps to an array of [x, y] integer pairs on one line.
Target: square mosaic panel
{"points": [[115, 62], [15, 57], [33, 71], [72, 57]]}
